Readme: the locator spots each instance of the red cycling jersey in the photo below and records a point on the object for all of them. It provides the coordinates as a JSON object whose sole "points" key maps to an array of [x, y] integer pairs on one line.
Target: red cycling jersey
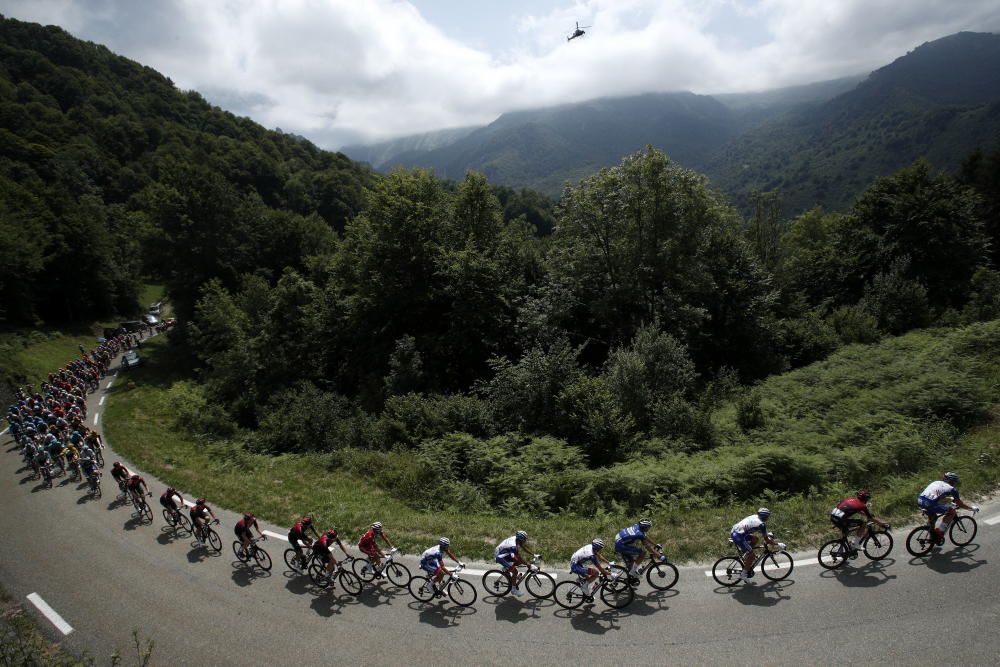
{"points": [[324, 543], [244, 526], [134, 482], [851, 506]]}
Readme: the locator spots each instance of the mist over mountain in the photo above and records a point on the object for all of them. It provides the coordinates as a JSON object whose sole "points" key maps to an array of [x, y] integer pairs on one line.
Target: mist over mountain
{"points": [[817, 143]]}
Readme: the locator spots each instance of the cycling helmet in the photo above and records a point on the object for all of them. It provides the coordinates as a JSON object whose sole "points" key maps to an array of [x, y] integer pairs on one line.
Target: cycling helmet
{"points": [[377, 526], [951, 478], [598, 543], [249, 516], [307, 521], [520, 536], [645, 524], [444, 542], [863, 495], [763, 513], [200, 502], [331, 534]]}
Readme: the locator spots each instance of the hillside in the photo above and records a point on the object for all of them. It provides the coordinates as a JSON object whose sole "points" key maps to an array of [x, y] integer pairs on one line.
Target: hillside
{"points": [[941, 101], [108, 171]]}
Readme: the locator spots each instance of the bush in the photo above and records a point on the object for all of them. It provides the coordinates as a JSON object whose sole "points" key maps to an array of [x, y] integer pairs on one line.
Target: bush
{"points": [[749, 414], [195, 414], [854, 324], [306, 419], [897, 303], [411, 419], [955, 398]]}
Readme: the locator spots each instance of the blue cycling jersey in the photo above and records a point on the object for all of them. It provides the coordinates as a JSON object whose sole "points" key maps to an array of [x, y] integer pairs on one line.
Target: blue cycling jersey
{"points": [[630, 535]]}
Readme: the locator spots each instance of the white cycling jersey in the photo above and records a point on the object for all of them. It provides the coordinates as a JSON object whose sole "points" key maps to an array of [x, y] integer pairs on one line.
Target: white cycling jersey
{"points": [[939, 488], [750, 524], [584, 554], [507, 547]]}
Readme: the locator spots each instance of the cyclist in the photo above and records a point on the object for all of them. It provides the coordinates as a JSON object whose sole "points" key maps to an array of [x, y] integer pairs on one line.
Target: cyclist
{"points": [[298, 534], [42, 463], [323, 552], [630, 542], [90, 471], [120, 474], [198, 518], [368, 546], [167, 500], [580, 563], [432, 562], [508, 555], [935, 500], [136, 486], [743, 537], [243, 530], [842, 517]]}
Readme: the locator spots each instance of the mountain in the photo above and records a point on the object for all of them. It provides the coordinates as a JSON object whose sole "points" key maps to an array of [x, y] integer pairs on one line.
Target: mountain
{"points": [[381, 153], [940, 101], [819, 143]]}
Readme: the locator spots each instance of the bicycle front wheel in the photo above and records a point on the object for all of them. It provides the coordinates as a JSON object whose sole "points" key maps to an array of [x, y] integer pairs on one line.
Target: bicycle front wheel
{"points": [[318, 574], [462, 593], [398, 574], [184, 524], [920, 541], [963, 531], [495, 582], [832, 554], [99, 458], [777, 565], [569, 595], [420, 588], [878, 545], [617, 593], [662, 575], [292, 560], [238, 552], [147, 512], [540, 585], [727, 570], [263, 559], [168, 516], [214, 541], [350, 582]]}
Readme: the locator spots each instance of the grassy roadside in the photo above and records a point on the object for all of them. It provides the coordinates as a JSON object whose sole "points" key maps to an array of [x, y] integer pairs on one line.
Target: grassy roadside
{"points": [[140, 424]]}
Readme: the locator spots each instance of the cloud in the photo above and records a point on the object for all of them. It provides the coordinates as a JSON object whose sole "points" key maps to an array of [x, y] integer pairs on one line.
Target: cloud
{"points": [[338, 71]]}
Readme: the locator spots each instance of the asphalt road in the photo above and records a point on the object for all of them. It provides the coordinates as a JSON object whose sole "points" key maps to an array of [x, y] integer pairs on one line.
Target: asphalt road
{"points": [[105, 575]]}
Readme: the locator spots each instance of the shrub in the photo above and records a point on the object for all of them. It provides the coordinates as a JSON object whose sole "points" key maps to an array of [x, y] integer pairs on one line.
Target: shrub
{"points": [[411, 419], [896, 302], [749, 414], [195, 414], [304, 418], [854, 324]]}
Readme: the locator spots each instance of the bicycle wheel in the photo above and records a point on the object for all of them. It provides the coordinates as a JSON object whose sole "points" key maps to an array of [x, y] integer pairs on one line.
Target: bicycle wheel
{"points": [[97, 489], [184, 524], [168, 516], [99, 457], [540, 585], [462, 593], [419, 589], [495, 582], [617, 593], [569, 595], [292, 560], [963, 531], [621, 573], [777, 565], [398, 574], [214, 541], [727, 570], [147, 512], [363, 569], [263, 559], [350, 582], [920, 541], [832, 554], [878, 545], [237, 549], [318, 574], [662, 575]]}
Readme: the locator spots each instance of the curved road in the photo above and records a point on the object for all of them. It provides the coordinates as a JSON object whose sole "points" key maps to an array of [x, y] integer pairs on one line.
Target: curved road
{"points": [[105, 575]]}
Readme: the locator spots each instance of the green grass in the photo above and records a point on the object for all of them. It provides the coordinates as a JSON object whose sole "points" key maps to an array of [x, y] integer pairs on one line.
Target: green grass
{"points": [[151, 293], [31, 356], [140, 424]]}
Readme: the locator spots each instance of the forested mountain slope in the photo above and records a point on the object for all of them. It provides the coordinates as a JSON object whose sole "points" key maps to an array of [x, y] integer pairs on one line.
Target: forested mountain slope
{"points": [[107, 170]]}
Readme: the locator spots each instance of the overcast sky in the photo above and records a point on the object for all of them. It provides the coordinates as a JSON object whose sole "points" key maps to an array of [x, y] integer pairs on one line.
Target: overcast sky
{"points": [[344, 71]]}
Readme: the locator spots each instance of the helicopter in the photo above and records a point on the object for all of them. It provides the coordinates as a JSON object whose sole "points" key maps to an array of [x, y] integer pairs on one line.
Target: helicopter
{"points": [[579, 32]]}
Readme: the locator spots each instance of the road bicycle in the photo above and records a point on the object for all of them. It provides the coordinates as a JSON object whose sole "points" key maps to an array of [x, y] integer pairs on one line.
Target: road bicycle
{"points": [[207, 537], [176, 519], [46, 472], [397, 573], [776, 564], [539, 584], [614, 591], [95, 484], [253, 552], [461, 592], [143, 511], [922, 539], [293, 563], [661, 574], [348, 580], [876, 545]]}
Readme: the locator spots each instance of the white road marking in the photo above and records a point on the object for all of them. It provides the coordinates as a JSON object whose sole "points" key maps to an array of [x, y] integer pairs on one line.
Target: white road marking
{"points": [[101, 402], [110, 383], [189, 503], [4, 431], [993, 521], [50, 613], [276, 535], [97, 417]]}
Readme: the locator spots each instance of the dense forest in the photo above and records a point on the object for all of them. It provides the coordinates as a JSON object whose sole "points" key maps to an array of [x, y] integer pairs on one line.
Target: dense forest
{"points": [[427, 327]]}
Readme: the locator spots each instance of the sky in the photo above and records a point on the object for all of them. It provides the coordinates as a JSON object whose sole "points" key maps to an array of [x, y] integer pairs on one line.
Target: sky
{"points": [[352, 71]]}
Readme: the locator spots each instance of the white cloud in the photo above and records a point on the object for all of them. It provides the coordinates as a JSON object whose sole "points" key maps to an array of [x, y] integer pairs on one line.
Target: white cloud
{"points": [[342, 70]]}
